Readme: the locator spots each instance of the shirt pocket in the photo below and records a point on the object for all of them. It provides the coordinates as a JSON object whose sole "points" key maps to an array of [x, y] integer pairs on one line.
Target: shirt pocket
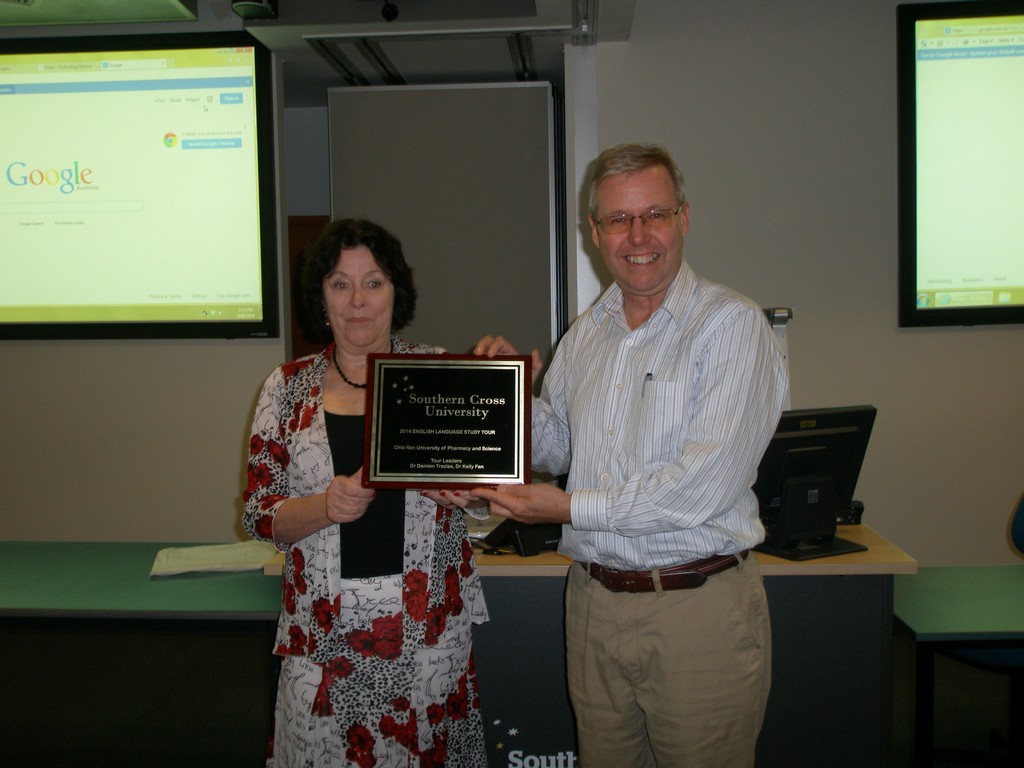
{"points": [[661, 424]]}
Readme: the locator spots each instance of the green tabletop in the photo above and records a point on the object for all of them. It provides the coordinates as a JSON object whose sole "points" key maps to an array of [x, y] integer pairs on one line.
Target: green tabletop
{"points": [[111, 580], [957, 603]]}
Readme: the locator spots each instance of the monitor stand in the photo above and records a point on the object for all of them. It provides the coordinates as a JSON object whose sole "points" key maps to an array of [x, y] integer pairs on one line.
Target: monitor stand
{"points": [[811, 549]]}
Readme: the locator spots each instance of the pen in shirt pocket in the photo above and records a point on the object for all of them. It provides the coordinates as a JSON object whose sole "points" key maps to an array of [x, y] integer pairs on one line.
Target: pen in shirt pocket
{"points": [[643, 386]]}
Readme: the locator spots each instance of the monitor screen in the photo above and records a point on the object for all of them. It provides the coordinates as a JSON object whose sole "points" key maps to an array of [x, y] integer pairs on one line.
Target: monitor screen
{"points": [[137, 188], [961, 158], [808, 473], [525, 539]]}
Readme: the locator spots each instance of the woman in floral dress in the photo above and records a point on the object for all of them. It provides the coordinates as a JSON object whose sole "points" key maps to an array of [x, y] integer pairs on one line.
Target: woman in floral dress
{"points": [[380, 589]]}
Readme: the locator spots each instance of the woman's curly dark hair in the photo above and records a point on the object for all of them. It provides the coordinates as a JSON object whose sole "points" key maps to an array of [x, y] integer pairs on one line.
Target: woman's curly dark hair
{"points": [[320, 257]]}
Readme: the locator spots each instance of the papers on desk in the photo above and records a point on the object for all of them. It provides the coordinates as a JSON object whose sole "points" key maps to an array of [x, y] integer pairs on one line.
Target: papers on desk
{"points": [[243, 556]]}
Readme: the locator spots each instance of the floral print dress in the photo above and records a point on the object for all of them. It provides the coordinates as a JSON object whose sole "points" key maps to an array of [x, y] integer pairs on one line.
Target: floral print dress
{"points": [[376, 672]]}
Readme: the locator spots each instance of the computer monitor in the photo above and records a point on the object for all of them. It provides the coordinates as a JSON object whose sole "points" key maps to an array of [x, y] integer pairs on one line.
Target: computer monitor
{"points": [[806, 480], [525, 539], [959, 76], [139, 187]]}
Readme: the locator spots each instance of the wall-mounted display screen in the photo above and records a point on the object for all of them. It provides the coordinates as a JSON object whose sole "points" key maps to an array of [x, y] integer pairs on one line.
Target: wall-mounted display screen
{"points": [[961, 163], [137, 188]]}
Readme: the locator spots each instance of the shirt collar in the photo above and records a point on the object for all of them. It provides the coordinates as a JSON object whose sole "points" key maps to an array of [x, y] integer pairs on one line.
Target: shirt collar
{"points": [[674, 305]]}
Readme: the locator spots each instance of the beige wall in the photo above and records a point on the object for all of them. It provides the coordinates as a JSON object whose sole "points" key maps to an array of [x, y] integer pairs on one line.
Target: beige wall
{"points": [[783, 118], [127, 440]]}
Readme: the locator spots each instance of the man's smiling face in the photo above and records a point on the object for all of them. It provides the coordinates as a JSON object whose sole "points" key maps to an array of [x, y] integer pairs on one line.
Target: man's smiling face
{"points": [[643, 260]]}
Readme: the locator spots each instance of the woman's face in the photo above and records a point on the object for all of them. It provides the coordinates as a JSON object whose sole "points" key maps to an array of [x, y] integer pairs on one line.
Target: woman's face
{"points": [[359, 299]]}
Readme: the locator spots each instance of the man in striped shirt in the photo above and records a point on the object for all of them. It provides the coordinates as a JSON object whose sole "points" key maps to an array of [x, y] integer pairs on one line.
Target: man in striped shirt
{"points": [[658, 404]]}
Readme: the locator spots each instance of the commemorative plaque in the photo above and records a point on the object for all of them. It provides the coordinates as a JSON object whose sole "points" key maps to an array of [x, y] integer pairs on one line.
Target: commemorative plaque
{"points": [[447, 421]]}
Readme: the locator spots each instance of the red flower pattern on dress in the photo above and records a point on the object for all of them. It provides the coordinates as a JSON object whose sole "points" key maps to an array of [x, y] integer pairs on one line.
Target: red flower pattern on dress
{"points": [[267, 502], [458, 700], [466, 567], [296, 643], [325, 612], [298, 570], [288, 597], [435, 625], [401, 704], [289, 369], [340, 667], [293, 422], [452, 594], [259, 477], [265, 527], [383, 640], [279, 453], [307, 417], [360, 746], [435, 713], [402, 732], [415, 594], [437, 755]]}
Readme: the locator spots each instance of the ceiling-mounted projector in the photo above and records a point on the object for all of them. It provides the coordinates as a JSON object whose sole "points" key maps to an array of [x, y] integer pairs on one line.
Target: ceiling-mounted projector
{"points": [[255, 9]]}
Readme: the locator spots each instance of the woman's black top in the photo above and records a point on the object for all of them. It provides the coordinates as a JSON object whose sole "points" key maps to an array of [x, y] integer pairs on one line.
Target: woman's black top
{"points": [[374, 544]]}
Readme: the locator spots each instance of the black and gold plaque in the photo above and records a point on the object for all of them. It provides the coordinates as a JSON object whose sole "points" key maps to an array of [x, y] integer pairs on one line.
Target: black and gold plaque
{"points": [[447, 421]]}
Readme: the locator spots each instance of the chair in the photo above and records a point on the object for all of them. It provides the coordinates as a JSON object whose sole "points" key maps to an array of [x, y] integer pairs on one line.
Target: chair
{"points": [[1002, 660]]}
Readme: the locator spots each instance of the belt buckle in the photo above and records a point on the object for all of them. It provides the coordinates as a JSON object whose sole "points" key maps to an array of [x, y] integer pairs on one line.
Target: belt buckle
{"points": [[700, 578]]}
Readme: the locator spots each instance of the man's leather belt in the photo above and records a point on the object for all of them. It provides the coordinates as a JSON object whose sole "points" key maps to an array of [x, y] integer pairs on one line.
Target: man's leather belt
{"points": [[686, 576]]}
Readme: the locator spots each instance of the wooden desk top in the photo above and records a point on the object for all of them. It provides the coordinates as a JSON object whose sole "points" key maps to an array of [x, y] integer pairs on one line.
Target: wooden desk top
{"points": [[962, 602], [882, 557]]}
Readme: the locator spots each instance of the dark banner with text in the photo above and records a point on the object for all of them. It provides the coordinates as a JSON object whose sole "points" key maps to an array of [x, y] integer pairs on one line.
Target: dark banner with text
{"points": [[447, 421]]}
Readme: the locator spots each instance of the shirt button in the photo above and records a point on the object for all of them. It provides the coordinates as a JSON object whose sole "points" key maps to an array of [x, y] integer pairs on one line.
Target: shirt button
{"points": [[619, 385], [605, 478]]}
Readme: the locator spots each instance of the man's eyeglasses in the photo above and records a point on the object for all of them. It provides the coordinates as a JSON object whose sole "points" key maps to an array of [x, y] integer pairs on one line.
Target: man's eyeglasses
{"points": [[656, 218]]}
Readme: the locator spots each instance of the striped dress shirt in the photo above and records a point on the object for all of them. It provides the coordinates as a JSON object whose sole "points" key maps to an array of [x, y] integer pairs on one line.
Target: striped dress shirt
{"points": [[661, 428]]}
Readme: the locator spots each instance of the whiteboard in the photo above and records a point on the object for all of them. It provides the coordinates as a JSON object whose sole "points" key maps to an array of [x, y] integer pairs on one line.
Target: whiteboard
{"points": [[465, 177]]}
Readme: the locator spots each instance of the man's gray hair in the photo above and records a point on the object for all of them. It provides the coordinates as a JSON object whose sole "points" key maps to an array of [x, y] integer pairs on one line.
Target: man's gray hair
{"points": [[633, 158]]}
